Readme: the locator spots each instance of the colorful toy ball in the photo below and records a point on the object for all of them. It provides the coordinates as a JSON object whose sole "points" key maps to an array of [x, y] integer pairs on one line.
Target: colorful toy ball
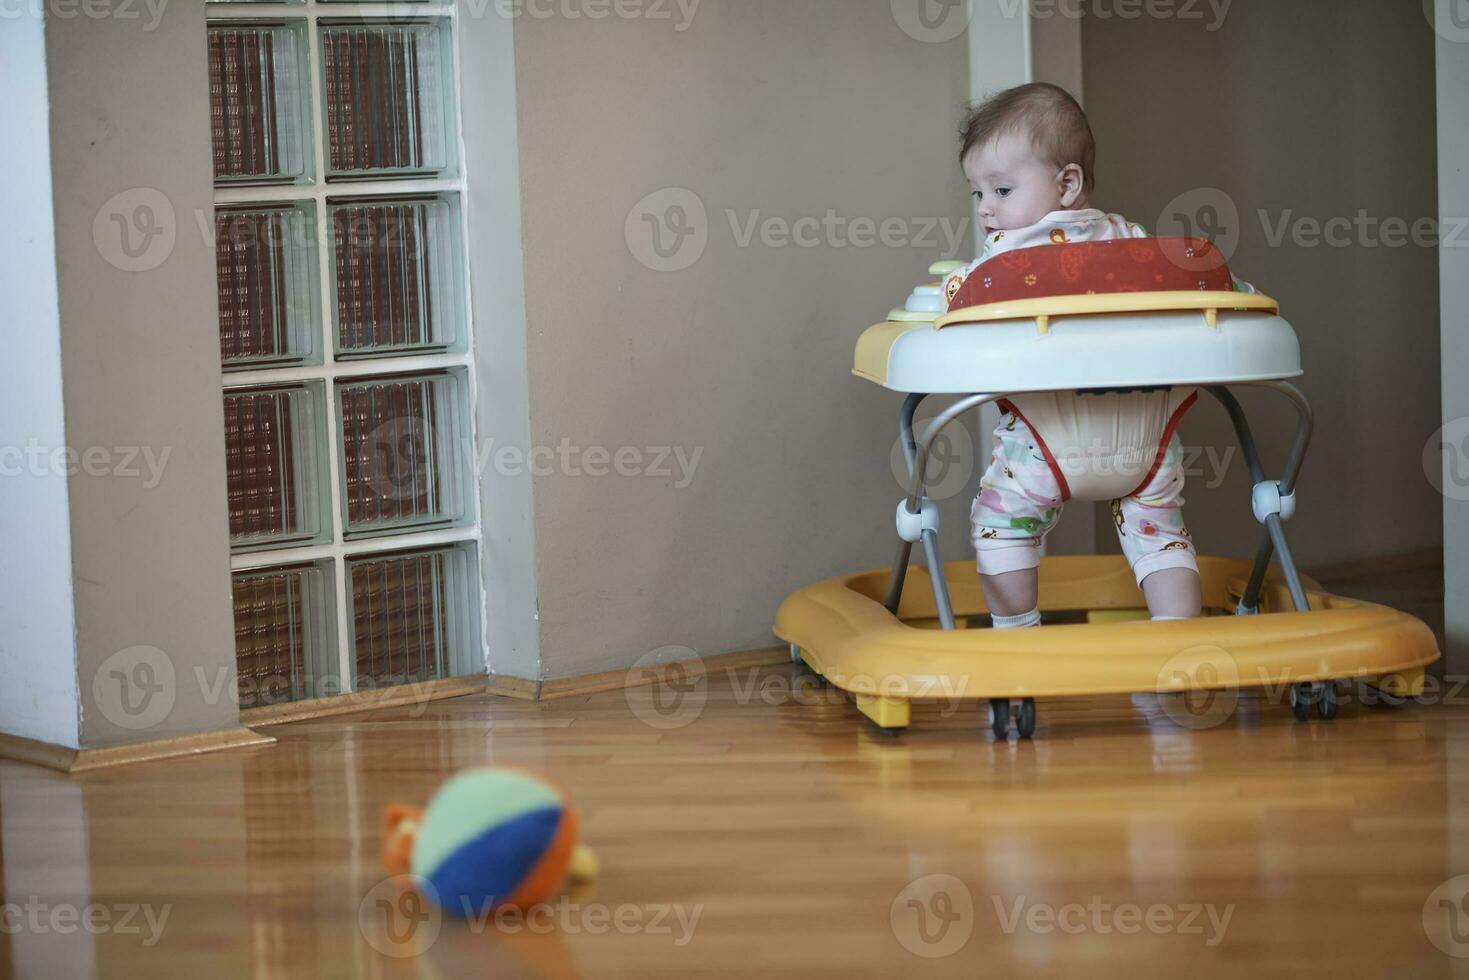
{"points": [[489, 839]]}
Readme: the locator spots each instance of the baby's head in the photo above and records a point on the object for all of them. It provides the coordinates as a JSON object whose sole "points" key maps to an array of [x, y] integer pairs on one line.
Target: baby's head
{"points": [[1027, 152]]}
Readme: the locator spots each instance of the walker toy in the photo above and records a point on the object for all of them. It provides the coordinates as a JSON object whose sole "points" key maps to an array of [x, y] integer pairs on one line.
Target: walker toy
{"points": [[1056, 320]]}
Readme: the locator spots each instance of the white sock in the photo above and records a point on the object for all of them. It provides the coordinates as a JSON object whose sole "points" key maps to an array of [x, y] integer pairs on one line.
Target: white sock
{"points": [[1032, 618]]}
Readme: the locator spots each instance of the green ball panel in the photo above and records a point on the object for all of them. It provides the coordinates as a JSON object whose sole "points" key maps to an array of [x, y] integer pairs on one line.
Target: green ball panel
{"points": [[471, 803]]}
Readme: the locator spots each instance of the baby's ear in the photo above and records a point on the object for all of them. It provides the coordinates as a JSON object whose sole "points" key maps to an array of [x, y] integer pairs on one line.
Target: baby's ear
{"points": [[1072, 184]]}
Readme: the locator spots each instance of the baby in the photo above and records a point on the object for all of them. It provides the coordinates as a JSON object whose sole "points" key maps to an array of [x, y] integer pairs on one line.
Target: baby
{"points": [[1028, 153]]}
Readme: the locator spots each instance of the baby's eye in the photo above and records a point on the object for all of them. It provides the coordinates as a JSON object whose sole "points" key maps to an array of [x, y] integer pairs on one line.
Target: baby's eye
{"points": [[1002, 191], [977, 195]]}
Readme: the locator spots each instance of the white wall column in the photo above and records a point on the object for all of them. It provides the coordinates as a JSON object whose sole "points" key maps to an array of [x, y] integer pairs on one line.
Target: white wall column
{"points": [[1452, 443], [38, 674], [117, 623]]}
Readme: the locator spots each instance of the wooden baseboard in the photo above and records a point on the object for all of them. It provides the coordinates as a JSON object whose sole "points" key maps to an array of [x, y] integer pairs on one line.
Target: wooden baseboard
{"points": [[1387, 565], [386, 697], [616, 680], [67, 760], [514, 687]]}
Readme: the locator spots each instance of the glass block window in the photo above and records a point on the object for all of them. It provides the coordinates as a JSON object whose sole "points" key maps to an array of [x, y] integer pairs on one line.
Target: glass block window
{"points": [[345, 335], [397, 283], [412, 615], [383, 92], [265, 260], [272, 465], [283, 633], [404, 452], [258, 102]]}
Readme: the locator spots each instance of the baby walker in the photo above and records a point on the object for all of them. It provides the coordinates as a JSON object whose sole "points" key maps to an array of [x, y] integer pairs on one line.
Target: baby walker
{"points": [[1166, 319]]}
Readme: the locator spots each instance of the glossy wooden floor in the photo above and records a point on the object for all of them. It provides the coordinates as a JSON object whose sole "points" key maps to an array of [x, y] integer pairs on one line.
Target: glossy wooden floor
{"points": [[774, 831]]}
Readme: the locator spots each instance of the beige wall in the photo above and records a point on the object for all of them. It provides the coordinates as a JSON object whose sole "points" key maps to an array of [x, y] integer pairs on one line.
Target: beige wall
{"points": [[1453, 151], [788, 109], [1323, 108], [140, 368]]}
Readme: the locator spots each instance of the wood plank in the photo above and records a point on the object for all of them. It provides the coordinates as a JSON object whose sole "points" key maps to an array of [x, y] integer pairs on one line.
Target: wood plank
{"points": [[792, 829]]}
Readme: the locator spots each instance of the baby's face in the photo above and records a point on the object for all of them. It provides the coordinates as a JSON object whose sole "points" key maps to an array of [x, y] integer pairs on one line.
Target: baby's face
{"points": [[1013, 187]]}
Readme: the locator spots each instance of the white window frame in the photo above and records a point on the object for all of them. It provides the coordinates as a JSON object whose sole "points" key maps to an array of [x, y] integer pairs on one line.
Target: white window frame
{"points": [[318, 190]]}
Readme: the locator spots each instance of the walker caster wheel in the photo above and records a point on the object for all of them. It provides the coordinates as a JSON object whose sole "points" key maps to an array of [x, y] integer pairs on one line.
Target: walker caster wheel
{"points": [[1302, 697], [803, 669], [1000, 717], [1328, 706], [1025, 718]]}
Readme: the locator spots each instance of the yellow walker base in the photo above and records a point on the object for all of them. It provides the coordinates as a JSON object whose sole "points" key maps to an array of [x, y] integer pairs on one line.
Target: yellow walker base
{"points": [[892, 639], [842, 631]]}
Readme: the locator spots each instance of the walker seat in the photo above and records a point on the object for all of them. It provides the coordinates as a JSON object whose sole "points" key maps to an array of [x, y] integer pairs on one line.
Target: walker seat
{"points": [[1098, 317]]}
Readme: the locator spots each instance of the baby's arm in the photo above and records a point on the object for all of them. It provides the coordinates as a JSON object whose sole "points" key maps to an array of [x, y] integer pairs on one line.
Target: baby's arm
{"points": [[955, 279]]}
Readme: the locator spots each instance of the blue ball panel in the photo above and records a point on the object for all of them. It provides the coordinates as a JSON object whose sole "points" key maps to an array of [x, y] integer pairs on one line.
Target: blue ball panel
{"points": [[487, 869]]}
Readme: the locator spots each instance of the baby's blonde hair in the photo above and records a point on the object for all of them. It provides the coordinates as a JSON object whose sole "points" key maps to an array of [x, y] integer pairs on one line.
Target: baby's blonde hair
{"points": [[1047, 113]]}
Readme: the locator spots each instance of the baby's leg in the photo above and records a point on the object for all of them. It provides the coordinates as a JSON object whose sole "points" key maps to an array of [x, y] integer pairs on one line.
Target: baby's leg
{"points": [[1010, 595], [1157, 544], [1018, 502], [1174, 593]]}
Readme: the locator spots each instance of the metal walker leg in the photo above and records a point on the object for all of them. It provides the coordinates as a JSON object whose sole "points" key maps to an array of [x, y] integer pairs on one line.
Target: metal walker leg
{"points": [[1273, 542], [916, 452], [905, 548]]}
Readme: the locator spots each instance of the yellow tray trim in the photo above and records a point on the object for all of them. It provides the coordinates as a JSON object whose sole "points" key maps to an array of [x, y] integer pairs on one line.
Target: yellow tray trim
{"points": [[1044, 309]]}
